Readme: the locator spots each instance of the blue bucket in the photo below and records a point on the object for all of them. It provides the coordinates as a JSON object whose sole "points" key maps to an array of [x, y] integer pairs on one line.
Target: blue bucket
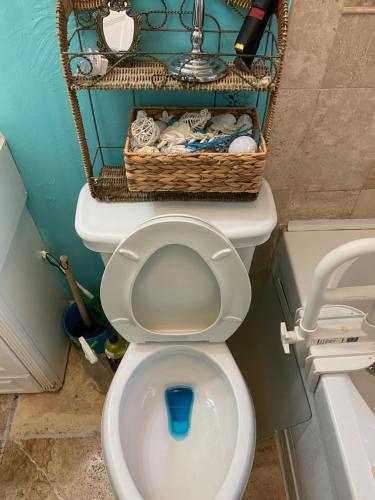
{"points": [[70, 320]]}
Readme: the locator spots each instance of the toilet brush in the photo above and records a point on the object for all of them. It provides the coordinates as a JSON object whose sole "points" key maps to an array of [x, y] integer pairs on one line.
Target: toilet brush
{"points": [[91, 301], [86, 328]]}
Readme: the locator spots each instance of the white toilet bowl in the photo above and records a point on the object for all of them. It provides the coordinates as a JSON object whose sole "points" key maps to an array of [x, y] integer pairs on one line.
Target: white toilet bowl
{"points": [[178, 421], [143, 460]]}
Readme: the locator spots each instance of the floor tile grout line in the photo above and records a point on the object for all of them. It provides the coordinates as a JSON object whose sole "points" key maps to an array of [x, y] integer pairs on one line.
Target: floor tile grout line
{"points": [[39, 469], [8, 426], [2, 446], [56, 435]]}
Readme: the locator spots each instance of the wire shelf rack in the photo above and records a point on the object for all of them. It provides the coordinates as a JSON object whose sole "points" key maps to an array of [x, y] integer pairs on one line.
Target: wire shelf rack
{"points": [[143, 69], [146, 69]]}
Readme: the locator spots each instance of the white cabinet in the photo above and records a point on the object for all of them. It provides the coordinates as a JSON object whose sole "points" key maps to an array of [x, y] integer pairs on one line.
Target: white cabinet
{"points": [[33, 346], [14, 377]]}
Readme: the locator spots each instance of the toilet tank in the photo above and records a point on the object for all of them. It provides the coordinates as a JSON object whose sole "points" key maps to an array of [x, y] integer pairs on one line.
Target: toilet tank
{"points": [[102, 226]]}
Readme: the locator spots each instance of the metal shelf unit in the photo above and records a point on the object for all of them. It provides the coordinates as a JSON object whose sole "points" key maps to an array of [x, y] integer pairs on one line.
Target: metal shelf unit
{"points": [[140, 70]]}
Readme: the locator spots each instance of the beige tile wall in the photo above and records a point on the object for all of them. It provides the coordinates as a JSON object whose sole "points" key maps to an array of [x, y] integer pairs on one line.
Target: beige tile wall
{"points": [[321, 160]]}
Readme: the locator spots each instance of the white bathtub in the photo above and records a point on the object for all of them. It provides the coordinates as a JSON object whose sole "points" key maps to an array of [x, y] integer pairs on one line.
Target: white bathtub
{"points": [[335, 451]]}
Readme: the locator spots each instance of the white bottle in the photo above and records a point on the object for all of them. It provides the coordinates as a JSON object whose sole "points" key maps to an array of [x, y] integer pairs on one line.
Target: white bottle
{"points": [[98, 369]]}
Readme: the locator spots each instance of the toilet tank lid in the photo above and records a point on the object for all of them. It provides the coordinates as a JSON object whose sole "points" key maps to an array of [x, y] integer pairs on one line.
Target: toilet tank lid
{"points": [[102, 226]]}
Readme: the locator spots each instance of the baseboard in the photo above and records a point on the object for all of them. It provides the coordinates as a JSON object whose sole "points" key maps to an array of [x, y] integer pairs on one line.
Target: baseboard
{"points": [[330, 225], [285, 450]]}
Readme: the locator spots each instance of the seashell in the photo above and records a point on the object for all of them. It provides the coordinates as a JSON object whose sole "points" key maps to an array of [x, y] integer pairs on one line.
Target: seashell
{"points": [[196, 119], [244, 122], [225, 123], [203, 137], [165, 117], [175, 149], [178, 128], [243, 144], [140, 114], [148, 150], [178, 133], [162, 125]]}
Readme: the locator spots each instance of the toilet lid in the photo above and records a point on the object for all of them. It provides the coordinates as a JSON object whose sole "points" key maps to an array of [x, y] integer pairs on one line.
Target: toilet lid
{"points": [[176, 278]]}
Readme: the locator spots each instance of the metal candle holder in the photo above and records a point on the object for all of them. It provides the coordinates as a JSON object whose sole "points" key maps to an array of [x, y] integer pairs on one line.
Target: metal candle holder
{"points": [[197, 67]]}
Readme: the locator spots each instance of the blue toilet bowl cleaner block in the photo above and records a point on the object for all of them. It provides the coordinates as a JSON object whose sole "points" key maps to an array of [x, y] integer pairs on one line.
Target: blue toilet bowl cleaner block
{"points": [[179, 401]]}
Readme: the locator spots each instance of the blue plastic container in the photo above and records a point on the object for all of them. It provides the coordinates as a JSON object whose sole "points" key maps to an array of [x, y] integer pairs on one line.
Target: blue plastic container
{"points": [[70, 319]]}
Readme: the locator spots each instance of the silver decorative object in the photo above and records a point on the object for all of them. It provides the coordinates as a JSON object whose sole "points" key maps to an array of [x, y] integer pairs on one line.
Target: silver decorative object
{"points": [[197, 67]]}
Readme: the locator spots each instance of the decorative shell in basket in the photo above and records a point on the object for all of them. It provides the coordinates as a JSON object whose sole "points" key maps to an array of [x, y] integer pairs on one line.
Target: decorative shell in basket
{"points": [[196, 120], [244, 122], [176, 134], [225, 123]]}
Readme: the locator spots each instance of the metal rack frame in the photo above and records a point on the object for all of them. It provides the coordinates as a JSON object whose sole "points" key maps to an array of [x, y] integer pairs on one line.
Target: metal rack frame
{"points": [[141, 70]]}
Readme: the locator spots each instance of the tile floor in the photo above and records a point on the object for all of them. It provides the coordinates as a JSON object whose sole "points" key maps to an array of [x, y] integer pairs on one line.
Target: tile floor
{"points": [[50, 447]]}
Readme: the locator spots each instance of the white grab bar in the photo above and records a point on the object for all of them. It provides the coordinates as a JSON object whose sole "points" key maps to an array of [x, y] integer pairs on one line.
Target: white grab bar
{"points": [[318, 296]]}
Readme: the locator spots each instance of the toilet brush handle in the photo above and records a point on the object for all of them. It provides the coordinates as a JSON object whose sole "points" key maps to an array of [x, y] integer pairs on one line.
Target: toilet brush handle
{"points": [[75, 290]]}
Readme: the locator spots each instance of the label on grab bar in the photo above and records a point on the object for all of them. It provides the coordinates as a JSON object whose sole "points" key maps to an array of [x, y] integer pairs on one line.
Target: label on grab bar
{"points": [[334, 340]]}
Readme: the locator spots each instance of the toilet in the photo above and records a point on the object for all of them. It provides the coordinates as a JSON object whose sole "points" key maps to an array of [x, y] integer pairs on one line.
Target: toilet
{"points": [[178, 420]]}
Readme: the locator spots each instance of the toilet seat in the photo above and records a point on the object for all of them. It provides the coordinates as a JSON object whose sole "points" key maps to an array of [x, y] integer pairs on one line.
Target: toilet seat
{"points": [[143, 460], [176, 278]]}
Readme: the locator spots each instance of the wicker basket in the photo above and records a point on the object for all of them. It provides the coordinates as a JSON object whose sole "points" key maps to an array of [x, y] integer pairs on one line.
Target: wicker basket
{"points": [[207, 171]]}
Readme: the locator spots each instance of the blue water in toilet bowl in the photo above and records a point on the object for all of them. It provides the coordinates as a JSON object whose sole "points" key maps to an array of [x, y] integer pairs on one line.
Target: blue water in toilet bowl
{"points": [[179, 401]]}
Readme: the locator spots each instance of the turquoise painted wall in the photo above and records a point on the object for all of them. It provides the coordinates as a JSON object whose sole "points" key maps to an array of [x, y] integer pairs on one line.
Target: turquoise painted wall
{"points": [[35, 118]]}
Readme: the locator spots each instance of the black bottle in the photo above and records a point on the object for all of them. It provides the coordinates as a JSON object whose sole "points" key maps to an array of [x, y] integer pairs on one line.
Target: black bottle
{"points": [[252, 30]]}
